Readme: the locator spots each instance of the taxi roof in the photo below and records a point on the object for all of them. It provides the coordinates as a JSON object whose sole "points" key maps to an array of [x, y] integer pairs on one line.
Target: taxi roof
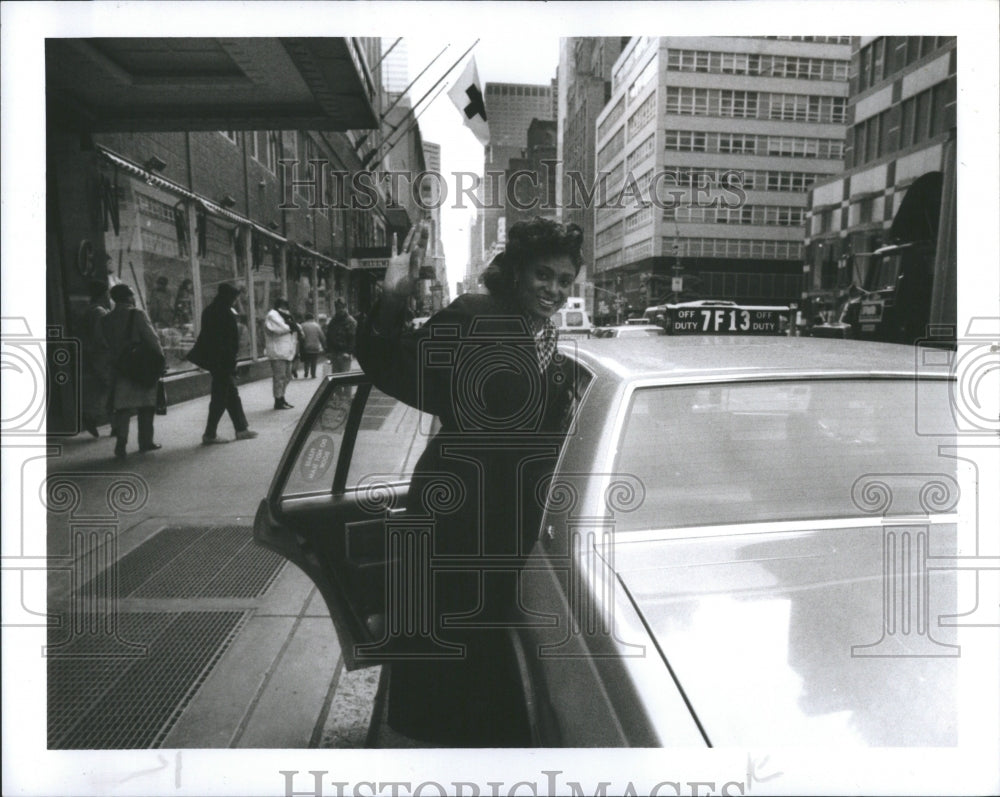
{"points": [[676, 357]]}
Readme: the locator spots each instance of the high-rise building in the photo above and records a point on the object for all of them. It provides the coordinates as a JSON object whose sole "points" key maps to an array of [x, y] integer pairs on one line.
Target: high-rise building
{"points": [[395, 67], [585, 65], [708, 146], [901, 113], [510, 108]]}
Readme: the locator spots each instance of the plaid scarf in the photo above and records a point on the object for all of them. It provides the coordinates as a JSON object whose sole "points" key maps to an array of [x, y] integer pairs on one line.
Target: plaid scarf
{"points": [[545, 344]]}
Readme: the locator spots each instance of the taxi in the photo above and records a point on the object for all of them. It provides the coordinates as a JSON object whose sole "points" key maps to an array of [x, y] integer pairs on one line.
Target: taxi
{"points": [[642, 330], [742, 543]]}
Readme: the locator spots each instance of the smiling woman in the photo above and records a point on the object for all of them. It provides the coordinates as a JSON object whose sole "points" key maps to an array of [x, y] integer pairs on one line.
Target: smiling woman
{"points": [[487, 367]]}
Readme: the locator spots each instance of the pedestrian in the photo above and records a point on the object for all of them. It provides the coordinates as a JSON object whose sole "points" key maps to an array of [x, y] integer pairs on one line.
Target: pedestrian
{"points": [[280, 331], [340, 337], [312, 345], [95, 368], [486, 366], [216, 351], [160, 307], [123, 325]]}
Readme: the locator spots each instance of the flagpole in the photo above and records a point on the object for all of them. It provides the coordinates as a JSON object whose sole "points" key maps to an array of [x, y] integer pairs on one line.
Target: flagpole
{"points": [[408, 129], [394, 129]]}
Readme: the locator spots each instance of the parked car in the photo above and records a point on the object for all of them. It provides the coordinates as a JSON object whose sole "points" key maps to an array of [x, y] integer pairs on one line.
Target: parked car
{"points": [[734, 551], [628, 331]]}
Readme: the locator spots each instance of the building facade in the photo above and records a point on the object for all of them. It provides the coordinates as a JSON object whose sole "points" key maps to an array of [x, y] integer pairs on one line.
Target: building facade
{"points": [[705, 153], [585, 67], [510, 108], [901, 114]]}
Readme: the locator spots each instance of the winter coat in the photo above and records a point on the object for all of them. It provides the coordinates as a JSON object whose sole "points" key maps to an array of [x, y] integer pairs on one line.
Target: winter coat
{"points": [[341, 333], [312, 337], [474, 366], [218, 341], [127, 394], [280, 337]]}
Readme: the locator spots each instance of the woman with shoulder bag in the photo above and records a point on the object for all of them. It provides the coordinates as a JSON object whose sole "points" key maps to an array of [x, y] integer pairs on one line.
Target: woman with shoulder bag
{"points": [[123, 326]]}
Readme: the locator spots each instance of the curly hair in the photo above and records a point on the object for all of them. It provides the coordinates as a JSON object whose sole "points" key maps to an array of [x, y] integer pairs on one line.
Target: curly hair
{"points": [[527, 241]]}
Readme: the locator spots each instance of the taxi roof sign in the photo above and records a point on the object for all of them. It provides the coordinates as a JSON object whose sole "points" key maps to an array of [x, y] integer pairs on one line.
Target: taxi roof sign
{"points": [[722, 317]]}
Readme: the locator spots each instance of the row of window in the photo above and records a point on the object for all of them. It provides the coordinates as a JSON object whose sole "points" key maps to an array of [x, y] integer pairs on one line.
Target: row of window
{"points": [[509, 90], [737, 247], [887, 55], [613, 116], [694, 101], [638, 250], [784, 66], [264, 146], [916, 119], [640, 153], [753, 144], [630, 61], [719, 283], [749, 179], [773, 215], [643, 79], [611, 148], [814, 39], [608, 236], [642, 115], [638, 219]]}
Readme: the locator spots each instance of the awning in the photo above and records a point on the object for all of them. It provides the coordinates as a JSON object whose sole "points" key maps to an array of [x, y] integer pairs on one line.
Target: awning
{"points": [[168, 185], [917, 217], [204, 83], [320, 256]]}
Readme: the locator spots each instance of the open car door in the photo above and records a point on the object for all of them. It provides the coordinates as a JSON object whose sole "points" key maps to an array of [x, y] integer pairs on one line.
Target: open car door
{"points": [[344, 473]]}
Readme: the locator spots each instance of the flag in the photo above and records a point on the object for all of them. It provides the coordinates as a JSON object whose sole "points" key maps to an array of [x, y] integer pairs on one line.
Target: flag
{"points": [[467, 95]]}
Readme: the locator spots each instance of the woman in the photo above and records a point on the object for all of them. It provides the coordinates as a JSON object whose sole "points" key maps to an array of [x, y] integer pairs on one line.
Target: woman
{"points": [[128, 396], [280, 345], [486, 366]]}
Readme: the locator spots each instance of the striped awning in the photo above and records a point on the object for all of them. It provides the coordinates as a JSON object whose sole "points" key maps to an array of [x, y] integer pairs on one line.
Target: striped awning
{"points": [[168, 185]]}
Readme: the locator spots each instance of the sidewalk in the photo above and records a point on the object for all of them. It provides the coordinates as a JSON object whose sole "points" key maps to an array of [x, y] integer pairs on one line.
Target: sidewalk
{"points": [[239, 645]]}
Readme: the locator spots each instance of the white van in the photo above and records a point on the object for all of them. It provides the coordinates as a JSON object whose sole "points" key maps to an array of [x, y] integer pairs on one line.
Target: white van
{"points": [[572, 319]]}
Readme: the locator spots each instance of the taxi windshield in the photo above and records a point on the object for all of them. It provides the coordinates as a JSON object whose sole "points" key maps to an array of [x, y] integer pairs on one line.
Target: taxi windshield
{"points": [[775, 451]]}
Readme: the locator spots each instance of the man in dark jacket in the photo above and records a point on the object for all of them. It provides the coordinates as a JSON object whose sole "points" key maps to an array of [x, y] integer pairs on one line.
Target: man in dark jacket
{"points": [[215, 350]]}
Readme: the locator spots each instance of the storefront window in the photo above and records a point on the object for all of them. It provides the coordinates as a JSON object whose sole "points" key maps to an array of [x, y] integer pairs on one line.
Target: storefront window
{"points": [[300, 283], [149, 252], [266, 284], [222, 259]]}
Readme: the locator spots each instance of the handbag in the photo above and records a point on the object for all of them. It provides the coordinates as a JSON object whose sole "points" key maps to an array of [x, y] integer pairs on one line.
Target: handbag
{"points": [[139, 362]]}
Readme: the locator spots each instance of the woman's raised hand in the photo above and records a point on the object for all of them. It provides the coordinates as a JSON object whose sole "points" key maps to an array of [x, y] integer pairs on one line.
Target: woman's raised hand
{"points": [[403, 271]]}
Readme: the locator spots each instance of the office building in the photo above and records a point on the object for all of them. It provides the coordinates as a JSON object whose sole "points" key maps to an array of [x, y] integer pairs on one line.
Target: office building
{"points": [[901, 113], [706, 149]]}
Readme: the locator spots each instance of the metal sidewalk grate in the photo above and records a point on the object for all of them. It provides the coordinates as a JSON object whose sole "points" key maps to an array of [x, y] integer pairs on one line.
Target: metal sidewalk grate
{"points": [[127, 704], [193, 562]]}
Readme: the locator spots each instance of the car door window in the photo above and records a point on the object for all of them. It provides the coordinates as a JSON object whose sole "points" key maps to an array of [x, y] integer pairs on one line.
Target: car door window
{"points": [[386, 435], [390, 439]]}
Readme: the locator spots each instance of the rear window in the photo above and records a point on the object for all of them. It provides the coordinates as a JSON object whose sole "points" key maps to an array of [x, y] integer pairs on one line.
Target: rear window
{"points": [[573, 318], [773, 451]]}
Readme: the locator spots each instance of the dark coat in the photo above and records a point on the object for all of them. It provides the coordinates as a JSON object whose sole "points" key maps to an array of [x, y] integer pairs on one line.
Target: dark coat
{"points": [[474, 366], [219, 339], [127, 394]]}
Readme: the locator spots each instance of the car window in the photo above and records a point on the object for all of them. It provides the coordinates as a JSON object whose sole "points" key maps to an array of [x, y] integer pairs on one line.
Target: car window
{"points": [[573, 318], [772, 451], [390, 438]]}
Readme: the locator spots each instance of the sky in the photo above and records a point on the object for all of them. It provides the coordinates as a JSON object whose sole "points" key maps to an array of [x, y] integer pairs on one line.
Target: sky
{"points": [[441, 122]]}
